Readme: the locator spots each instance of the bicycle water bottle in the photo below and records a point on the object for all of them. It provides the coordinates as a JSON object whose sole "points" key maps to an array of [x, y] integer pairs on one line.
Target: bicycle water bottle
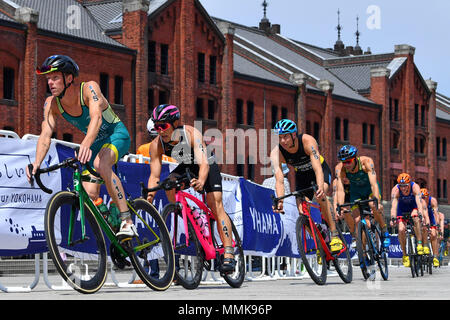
{"points": [[102, 207], [205, 227], [114, 217], [199, 220]]}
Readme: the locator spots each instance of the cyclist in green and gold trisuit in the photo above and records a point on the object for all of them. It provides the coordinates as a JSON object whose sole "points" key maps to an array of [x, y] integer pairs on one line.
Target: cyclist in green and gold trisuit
{"points": [[84, 106], [360, 172]]}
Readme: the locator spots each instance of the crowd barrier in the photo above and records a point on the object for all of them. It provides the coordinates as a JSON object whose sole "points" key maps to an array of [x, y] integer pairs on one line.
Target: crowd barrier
{"points": [[268, 238]]}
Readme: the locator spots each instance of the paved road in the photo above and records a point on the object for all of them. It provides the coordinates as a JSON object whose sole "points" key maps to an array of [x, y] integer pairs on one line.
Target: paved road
{"points": [[399, 287]]}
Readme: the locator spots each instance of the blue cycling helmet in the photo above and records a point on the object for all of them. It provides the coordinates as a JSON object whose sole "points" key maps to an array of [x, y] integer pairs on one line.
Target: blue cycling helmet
{"points": [[347, 152], [285, 126]]}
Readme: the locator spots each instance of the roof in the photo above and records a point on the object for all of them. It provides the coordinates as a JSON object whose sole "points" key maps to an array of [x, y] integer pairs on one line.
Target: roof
{"points": [[442, 106], [282, 61], [56, 16], [109, 14]]}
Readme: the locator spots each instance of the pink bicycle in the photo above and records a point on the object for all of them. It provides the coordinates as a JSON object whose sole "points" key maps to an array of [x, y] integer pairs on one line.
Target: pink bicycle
{"points": [[197, 248]]}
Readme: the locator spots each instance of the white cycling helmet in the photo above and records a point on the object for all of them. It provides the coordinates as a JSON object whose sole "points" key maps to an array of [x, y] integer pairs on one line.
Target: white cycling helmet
{"points": [[151, 127]]}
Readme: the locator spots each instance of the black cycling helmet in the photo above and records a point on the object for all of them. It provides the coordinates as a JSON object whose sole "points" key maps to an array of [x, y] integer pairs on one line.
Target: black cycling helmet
{"points": [[165, 113], [61, 63]]}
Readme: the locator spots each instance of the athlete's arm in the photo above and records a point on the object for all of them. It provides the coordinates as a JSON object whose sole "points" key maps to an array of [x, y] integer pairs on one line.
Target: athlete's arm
{"points": [[155, 153], [44, 141], [199, 147], [369, 168], [311, 149], [394, 203], [95, 101], [276, 159], [434, 206], [340, 191]]}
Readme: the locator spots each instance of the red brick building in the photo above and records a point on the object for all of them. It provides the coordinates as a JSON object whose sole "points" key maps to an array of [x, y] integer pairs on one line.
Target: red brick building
{"points": [[228, 76]]}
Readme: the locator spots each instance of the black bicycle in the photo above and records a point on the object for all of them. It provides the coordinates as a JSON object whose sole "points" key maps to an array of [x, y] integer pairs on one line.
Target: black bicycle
{"points": [[75, 229], [369, 242], [415, 260]]}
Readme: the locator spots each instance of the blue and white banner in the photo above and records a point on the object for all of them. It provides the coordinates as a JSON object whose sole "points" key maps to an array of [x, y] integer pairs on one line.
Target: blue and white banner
{"points": [[263, 232], [22, 206]]}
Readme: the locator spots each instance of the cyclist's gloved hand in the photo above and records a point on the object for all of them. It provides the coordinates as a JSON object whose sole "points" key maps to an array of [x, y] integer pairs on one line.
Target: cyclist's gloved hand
{"points": [[197, 184]]}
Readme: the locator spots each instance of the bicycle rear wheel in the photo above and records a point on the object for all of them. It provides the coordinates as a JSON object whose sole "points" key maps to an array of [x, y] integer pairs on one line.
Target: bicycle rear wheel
{"points": [[312, 253], [365, 250], [80, 262], [189, 258], [343, 261], [236, 278], [151, 253]]}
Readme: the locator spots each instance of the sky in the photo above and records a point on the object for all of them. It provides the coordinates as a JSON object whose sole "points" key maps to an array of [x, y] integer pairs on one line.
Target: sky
{"points": [[383, 24]]}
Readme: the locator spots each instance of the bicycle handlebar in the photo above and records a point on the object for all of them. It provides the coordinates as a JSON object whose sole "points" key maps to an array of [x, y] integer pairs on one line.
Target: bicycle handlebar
{"points": [[170, 183], [359, 203], [298, 193], [69, 162]]}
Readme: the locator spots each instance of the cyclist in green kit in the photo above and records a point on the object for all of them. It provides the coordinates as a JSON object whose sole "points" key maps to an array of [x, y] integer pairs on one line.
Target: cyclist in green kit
{"points": [[360, 172], [106, 141]]}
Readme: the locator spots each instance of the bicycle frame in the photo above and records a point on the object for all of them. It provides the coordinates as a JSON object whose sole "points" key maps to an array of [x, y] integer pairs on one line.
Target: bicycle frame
{"points": [[313, 226], [206, 242], [84, 199]]}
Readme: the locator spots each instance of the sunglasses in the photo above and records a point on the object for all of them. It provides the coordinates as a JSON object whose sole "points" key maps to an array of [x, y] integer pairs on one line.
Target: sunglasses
{"points": [[348, 161], [403, 185], [46, 69], [162, 127]]}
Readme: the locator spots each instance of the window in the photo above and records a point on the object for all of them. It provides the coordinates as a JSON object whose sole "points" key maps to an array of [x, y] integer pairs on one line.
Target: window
{"points": [[201, 67], [151, 100], [422, 116], [8, 83], [199, 108], [211, 108], [164, 59], [438, 188], [240, 170], [416, 114], [308, 127], [118, 90], [396, 116], [372, 134], [152, 56], [284, 113], [250, 113], [274, 115], [239, 111], [104, 85], [444, 147], [212, 69], [163, 97], [444, 188], [317, 131], [390, 109], [337, 128], [438, 146], [364, 133], [250, 169], [345, 129], [395, 140]]}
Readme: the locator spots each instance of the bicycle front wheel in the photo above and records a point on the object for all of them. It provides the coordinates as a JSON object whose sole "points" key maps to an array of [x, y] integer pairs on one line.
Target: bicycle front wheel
{"points": [[312, 252], [151, 253], [189, 258], [365, 250], [80, 262], [381, 254], [343, 261]]}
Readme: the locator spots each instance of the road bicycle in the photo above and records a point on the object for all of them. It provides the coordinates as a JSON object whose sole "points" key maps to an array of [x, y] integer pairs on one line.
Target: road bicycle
{"points": [[313, 243], [442, 248], [369, 241], [201, 244], [415, 259], [75, 229], [427, 259]]}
